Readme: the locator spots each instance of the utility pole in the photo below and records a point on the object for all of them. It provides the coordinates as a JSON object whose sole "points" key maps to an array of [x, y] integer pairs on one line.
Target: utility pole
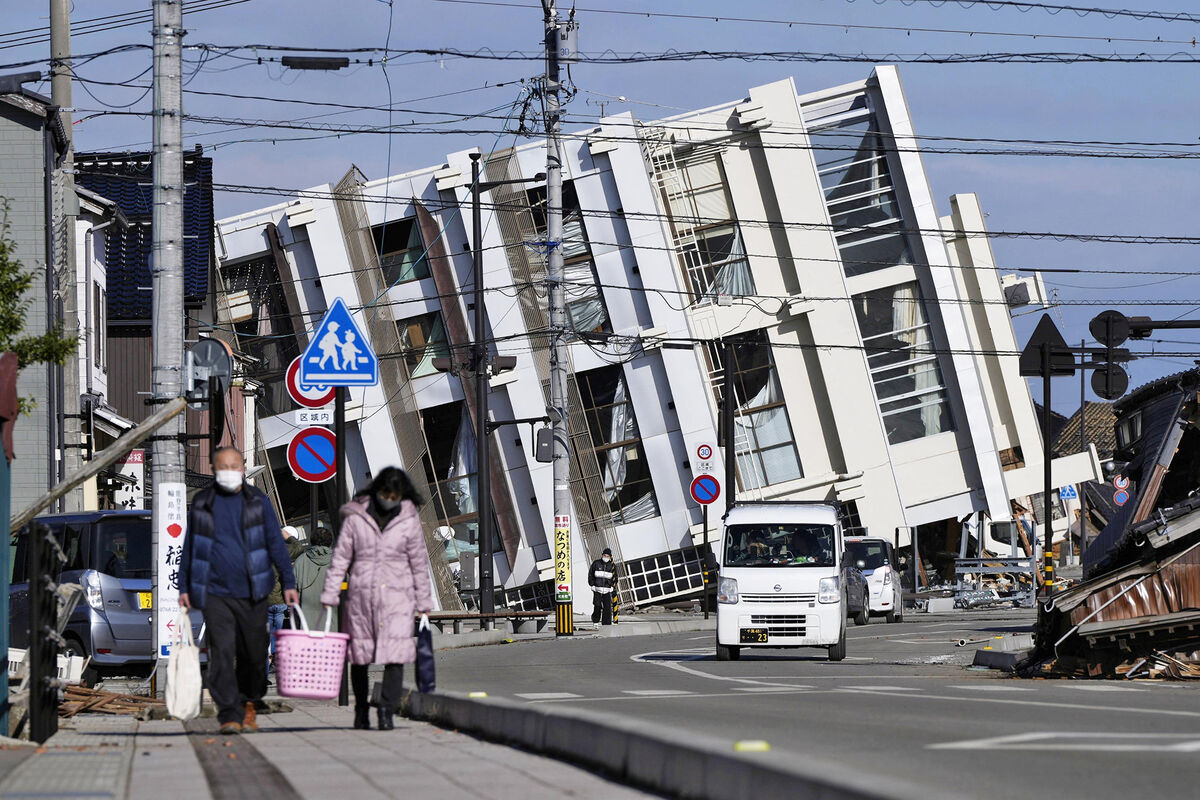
{"points": [[167, 471], [66, 402], [564, 621]]}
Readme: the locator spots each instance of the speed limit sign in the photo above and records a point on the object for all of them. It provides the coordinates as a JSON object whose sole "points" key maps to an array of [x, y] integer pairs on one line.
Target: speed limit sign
{"points": [[703, 465], [704, 452]]}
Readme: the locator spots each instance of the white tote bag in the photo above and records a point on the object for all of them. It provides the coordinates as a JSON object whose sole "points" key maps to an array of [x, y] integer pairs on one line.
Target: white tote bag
{"points": [[184, 686]]}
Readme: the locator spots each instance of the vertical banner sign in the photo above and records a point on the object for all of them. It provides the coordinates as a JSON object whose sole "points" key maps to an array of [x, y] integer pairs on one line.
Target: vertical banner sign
{"points": [[131, 494], [562, 559], [170, 555]]}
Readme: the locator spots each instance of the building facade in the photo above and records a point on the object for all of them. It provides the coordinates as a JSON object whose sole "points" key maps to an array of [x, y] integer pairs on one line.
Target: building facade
{"points": [[870, 338]]}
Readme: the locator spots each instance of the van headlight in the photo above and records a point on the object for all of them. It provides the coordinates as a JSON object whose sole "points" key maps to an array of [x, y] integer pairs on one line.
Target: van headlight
{"points": [[828, 591], [727, 590], [91, 590]]}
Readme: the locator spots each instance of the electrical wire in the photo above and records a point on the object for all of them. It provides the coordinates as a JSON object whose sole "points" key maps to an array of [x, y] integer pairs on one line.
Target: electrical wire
{"points": [[41, 35], [1053, 8]]}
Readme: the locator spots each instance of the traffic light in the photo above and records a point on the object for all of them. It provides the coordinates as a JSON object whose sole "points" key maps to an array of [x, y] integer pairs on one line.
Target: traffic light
{"points": [[44, 565], [1109, 379]]}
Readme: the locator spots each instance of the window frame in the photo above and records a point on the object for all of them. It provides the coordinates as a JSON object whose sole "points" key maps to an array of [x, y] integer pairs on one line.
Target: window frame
{"points": [[419, 265]]}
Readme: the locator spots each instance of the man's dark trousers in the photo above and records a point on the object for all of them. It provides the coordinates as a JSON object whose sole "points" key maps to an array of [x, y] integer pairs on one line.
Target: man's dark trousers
{"points": [[602, 608], [237, 645]]}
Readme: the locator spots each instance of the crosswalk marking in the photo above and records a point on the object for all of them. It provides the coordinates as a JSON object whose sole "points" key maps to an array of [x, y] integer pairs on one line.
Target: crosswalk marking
{"points": [[1103, 687], [980, 687], [779, 688], [547, 695], [654, 692], [883, 688]]}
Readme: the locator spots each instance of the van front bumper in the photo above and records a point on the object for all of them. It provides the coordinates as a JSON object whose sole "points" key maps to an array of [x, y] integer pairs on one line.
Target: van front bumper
{"points": [[787, 624]]}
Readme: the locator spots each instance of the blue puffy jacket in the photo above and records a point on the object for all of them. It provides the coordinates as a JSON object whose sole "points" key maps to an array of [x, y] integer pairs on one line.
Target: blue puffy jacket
{"points": [[262, 550]]}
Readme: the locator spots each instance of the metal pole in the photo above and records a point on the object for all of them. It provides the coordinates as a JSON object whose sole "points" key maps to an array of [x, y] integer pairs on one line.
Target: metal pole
{"points": [[69, 422], [167, 467], [339, 484], [704, 558], [565, 625], [729, 401], [479, 362], [1047, 504], [1082, 449], [312, 511]]}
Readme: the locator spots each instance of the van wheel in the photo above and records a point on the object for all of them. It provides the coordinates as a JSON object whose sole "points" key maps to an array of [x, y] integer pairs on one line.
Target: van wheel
{"points": [[725, 653], [864, 614], [91, 675], [895, 615], [838, 651]]}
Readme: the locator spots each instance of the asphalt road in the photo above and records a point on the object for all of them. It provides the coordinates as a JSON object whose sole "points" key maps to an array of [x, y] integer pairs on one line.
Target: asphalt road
{"points": [[904, 703]]}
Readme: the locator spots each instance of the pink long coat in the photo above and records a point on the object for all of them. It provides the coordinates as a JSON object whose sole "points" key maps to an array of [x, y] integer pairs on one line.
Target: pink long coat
{"points": [[389, 582]]}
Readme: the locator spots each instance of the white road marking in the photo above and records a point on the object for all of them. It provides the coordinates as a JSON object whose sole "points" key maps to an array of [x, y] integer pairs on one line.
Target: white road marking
{"points": [[958, 698], [983, 687], [772, 689], [882, 688], [546, 695], [1090, 742], [1103, 687], [654, 692]]}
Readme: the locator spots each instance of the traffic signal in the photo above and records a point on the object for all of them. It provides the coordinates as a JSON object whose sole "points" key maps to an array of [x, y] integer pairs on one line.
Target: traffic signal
{"points": [[1109, 379]]}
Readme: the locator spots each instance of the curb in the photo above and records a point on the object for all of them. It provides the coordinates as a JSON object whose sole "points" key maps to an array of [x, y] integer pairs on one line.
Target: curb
{"points": [[672, 762]]}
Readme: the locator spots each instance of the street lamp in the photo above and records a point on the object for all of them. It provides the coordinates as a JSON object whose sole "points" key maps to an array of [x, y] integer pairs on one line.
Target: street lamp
{"points": [[479, 362]]}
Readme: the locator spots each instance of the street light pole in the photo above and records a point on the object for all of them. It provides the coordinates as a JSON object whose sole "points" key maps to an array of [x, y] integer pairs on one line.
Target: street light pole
{"points": [[479, 363]]}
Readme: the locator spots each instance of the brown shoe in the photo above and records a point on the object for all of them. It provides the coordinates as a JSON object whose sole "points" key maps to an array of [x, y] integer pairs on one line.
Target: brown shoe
{"points": [[231, 728], [250, 723]]}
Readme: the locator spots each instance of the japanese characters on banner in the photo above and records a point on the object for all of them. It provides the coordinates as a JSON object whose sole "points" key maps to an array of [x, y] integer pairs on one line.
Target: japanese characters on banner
{"points": [[173, 497], [131, 494], [562, 558]]}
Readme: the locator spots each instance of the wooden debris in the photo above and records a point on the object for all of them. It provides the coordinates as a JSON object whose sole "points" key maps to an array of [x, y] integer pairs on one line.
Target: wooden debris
{"points": [[78, 699]]}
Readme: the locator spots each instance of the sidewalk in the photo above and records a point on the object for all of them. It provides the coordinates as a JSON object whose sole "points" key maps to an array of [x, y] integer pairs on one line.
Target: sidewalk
{"points": [[310, 752]]}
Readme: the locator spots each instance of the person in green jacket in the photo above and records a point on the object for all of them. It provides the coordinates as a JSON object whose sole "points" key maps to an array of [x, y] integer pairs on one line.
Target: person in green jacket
{"points": [[276, 608], [310, 570]]}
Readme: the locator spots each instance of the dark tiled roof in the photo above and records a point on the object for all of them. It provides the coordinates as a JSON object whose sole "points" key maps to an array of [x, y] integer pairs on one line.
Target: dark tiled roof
{"points": [[126, 179], [1100, 431]]}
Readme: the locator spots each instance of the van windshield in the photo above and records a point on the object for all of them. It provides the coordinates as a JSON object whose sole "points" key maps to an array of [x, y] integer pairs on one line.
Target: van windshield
{"points": [[867, 555], [123, 548], [779, 545]]}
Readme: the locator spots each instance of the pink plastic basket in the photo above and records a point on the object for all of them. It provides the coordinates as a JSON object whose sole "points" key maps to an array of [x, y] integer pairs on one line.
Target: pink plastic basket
{"points": [[309, 664]]}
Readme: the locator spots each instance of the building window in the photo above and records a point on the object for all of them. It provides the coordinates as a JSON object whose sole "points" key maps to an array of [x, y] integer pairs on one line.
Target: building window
{"points": [[585, 305], [860, 198], [904, 366], [423, 339], [452, 473], [401, 253], [99, 323], [618, 445], [705, 231], [766, 448]]}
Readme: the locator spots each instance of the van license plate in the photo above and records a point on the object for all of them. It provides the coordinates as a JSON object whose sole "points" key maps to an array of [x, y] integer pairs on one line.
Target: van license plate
{"points": [[754, 635], [145, 600]]}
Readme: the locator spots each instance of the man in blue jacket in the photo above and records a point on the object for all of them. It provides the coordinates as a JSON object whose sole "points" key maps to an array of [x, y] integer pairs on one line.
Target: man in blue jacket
{"points": [[233, 539]]}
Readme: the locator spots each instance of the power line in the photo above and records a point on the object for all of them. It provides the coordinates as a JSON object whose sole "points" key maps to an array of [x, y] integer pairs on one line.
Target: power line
{"points": [[31, 36], [1054, 8]]}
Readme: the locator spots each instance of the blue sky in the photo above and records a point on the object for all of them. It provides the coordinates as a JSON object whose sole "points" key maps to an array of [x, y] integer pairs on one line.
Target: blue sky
{"points": [[1111, 102]]}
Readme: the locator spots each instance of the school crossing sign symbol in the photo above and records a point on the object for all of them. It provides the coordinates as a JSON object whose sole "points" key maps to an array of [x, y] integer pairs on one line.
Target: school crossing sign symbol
{"points": [[339, 354]]}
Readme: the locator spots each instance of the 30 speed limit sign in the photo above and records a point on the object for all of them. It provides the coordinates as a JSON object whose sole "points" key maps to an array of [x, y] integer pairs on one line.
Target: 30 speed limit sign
{"points": [[703, 464]]}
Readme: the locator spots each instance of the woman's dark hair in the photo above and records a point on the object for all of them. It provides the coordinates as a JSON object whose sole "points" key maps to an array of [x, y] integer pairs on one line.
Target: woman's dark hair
{"points": [[393, 480]]}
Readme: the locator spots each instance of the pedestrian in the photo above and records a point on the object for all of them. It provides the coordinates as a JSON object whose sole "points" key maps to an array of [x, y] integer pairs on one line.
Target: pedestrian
{"points": [[602, 579], [232, 542], [276, 608], [311, 567], [382, 546]]}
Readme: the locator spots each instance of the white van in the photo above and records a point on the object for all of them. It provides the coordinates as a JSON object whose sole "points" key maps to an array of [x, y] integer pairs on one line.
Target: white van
{"points": [[782, 581]]}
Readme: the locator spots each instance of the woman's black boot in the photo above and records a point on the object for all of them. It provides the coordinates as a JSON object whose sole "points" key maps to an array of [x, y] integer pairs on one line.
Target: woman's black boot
{"points": [[385, 719], [362, 718]]}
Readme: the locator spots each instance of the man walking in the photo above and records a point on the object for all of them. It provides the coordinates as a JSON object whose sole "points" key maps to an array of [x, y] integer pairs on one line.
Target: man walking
{"points": [[232, 542], [602, 577]]}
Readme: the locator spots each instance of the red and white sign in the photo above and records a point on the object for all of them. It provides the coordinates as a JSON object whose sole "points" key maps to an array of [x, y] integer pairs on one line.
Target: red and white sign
{"points": [[305, 394], [703, 465], [704, 452], [1121, 482], [173, 519], [312, 455]]}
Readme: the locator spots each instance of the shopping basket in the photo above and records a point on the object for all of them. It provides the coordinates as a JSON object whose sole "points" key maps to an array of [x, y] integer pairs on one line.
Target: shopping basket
{"points": [[308, 663]]}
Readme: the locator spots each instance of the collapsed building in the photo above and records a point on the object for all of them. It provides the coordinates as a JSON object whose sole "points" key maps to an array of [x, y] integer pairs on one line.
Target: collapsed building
{"points": [[870, 335], [1138, 607]]}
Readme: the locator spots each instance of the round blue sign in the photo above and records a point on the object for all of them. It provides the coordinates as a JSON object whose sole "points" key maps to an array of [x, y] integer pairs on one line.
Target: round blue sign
{"points": [[312, 455], [705, 489]]}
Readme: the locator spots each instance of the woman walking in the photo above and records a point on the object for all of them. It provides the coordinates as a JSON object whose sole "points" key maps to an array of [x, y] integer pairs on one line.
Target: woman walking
{"points": [[382, 547]]}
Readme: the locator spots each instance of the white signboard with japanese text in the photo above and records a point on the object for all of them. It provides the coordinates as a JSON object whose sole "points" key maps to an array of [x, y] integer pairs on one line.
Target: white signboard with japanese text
{"points": [[170, 535], [131, 493], [313, 416]]}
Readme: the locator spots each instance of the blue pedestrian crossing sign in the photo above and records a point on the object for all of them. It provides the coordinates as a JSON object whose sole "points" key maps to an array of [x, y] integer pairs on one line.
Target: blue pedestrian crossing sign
{"points": [[1068, 493], [339, 354]]}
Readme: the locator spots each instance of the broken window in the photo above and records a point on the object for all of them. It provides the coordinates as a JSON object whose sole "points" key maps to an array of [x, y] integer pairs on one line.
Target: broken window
{"points": [[263, 326], [1129, 430], [706, 233], [853, 168], [401, 252], [423, 339], [766, 448], [618, 445], [903, 363], [452, 474], [585, 305]]}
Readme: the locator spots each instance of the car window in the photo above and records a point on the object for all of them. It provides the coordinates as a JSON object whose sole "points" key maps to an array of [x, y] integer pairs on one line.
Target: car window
{"points": [[868, 554], [72, 546], [123, 548], [779, 545]]}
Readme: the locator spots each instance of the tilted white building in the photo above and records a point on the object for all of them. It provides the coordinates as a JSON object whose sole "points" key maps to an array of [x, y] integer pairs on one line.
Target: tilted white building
{"points": [[871, 335]]}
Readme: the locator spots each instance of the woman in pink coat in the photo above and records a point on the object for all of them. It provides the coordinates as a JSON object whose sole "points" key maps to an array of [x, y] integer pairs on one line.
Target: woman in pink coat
{"points": [[382, 547]]}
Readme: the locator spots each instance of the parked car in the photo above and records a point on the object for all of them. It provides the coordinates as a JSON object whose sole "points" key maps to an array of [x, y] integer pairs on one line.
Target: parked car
{"points": [[784, 580], [876, 559], [110, 554]]}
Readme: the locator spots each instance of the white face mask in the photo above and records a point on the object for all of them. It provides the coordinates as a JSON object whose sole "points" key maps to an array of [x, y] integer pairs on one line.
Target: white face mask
{"points": [[385, 504], [230, 479]]}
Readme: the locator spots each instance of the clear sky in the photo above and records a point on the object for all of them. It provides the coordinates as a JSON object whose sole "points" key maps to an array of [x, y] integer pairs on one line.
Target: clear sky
{"points": [[1110, 102]]}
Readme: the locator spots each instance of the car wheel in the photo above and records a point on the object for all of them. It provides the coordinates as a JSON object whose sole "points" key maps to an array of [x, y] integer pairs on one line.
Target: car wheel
{"points": [[728, 653], [864, 613], [91, 675], [837, 652]]}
